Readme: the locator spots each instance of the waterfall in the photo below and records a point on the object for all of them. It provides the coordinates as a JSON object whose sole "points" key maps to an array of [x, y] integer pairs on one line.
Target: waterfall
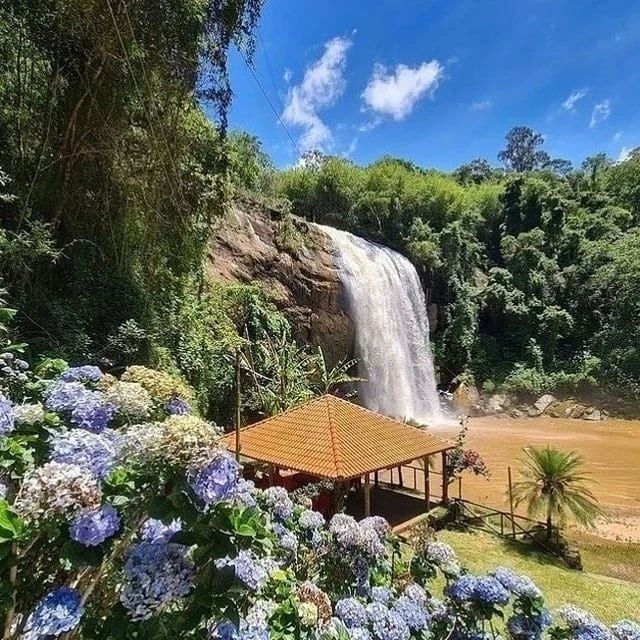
{"points": [[387, 306]]}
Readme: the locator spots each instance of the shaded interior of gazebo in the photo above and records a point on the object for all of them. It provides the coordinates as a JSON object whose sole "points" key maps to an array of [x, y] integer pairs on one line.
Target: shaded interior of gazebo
{"points": [[332, 439]]}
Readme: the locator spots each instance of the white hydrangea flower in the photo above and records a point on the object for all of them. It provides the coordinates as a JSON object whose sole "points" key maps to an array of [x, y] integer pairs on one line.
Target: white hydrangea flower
{"points": [[132, 400], [57, 488], [29, 414]]}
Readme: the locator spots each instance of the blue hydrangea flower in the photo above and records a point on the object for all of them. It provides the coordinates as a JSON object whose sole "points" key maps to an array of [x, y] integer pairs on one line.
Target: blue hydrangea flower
{"points": [[248, 569], [351, 612], [223, 630], [278, 502], [414, 615], [626, 630], [289, 543], [463, 589], [85, 373], [245, 493], [156, 532], [217, 480], [92, 528], [489, 591], [95, 452], [521, 586], [416, 593], [380, 594], [7, 416], [385, 624], [155, 574], [377, 523], [529, 627], [359, 633], [58, 612], [88, 409], [177, 406]]}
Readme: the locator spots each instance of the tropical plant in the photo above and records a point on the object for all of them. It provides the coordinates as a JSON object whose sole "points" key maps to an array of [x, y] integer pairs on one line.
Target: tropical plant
{"points": [[553, 484], [330, 380]]}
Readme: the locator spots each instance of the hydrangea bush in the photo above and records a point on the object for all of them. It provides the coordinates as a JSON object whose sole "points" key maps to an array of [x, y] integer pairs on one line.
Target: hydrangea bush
{"points": [[122, 517]]}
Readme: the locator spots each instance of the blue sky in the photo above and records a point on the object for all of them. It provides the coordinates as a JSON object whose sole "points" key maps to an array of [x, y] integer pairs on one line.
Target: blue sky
{"points": [[440, 82]]}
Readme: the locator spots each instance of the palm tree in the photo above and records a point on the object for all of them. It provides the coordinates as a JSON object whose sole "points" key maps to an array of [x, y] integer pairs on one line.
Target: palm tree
{"points": [[553, 484], [325, 380]]}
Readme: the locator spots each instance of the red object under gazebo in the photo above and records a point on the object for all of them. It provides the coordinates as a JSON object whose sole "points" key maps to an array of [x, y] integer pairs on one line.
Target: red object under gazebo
{"points": [[333, 439]]}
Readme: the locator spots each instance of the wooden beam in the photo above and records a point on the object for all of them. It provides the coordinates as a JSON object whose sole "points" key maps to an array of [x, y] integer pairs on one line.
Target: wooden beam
{"points": [[367, 496], [445, 480], [427, 484]]}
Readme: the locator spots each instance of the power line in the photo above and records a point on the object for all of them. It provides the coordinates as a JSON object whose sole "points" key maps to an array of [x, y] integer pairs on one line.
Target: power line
{"points": [[266, 97]]}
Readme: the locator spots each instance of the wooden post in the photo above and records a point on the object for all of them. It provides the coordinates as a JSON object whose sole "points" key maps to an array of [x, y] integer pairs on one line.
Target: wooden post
{"points": [[445, 480], [400, 476], [459, 487], [367, 496], [271, 474], [513, 522], [376, 478], [427, 485], [238, 409]]}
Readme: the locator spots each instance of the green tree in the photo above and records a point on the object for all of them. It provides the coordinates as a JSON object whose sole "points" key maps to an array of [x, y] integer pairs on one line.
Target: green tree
{"points": [[522, 151], [553, 484]]}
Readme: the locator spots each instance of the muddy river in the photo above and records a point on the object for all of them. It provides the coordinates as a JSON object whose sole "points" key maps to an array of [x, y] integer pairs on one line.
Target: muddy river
{"points": [[611, 451]]}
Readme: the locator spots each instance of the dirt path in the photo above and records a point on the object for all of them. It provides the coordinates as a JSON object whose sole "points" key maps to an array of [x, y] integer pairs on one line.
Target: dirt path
{"points": [[611, 451]]}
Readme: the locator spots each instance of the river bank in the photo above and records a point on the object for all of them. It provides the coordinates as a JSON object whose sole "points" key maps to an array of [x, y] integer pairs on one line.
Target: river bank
{"points": [[611, 451]]}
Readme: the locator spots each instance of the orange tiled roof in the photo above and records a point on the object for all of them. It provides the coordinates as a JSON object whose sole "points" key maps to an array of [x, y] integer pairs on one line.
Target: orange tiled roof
{"points": [[332, 438]]}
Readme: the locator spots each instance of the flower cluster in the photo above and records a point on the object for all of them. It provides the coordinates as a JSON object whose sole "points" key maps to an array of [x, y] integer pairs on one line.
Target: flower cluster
{"points": [[84, 373], [156, 532], [357, 538], [162, 387], [155, 574], [13, 371], [311, 593], [443, 557], [7, 416], [520, 586], [351, 612], [217, 480], [87, 409], [278, 502], [58, 612], [386, 624], [97, 453], [92, 528], [255, 626], [626, 630], [30, 413], [131, 399], [57, 489], [311, 520], [249, 569], [177, 406], [582, 625], [483, 590]]}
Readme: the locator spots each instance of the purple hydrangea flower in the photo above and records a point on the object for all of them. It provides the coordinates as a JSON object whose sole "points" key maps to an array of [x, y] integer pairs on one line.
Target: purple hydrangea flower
{"points": [[489, 591], [463, 589], [414, 615], [156, 574], [92, 528], [377, 523], [223, 630], [95, 452], [7, 416], [278, 502], [85, 373], [156, 532], [178, 406], [416, 593], [359, 633], [245, 493], [386, 624], [217, 480], [351, 612], [58, 612], [89, 409], [381, 594], [249, 570]]}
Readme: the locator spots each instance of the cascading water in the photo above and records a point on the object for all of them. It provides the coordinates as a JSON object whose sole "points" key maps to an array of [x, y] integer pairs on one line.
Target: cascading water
{"points": [[387, 306]]}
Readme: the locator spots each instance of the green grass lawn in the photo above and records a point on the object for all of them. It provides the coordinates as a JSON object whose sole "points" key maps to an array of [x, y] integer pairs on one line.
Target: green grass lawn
{"points": [[606, 597]]}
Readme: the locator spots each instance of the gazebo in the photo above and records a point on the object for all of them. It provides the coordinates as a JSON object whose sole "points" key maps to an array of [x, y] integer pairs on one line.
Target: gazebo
{"points": [[332, 439]]}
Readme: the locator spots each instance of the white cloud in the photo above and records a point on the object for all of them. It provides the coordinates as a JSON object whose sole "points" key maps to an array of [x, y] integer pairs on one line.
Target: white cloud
{"points": [[397, 92], [600, 113], [370, 126], [625, 154], [617, 136], [481, 105], [287, 75], [323, 83], [570, 103]]}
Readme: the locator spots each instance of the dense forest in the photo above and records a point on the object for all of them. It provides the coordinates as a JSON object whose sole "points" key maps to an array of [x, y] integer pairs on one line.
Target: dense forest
{"points": [[111, 176], [534, 265]]}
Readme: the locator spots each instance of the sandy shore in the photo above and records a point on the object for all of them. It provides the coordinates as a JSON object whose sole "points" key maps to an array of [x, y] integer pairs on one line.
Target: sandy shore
{"points": [[611, 451]]}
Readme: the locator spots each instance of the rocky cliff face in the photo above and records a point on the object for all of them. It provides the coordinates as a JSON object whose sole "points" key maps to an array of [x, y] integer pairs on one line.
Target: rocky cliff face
{"points": [[305, 286]]}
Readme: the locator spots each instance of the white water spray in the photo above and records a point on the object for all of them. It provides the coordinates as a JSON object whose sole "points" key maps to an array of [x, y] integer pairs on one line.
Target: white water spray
{"points": [[387, 306]]}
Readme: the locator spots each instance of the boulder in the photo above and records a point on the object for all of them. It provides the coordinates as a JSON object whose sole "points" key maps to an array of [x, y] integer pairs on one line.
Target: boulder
{"points": [[477, 411], [497, 403], [576, 411], [306, 287], [540, 405], [516, 413], [464, 397], [592, 414]]}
